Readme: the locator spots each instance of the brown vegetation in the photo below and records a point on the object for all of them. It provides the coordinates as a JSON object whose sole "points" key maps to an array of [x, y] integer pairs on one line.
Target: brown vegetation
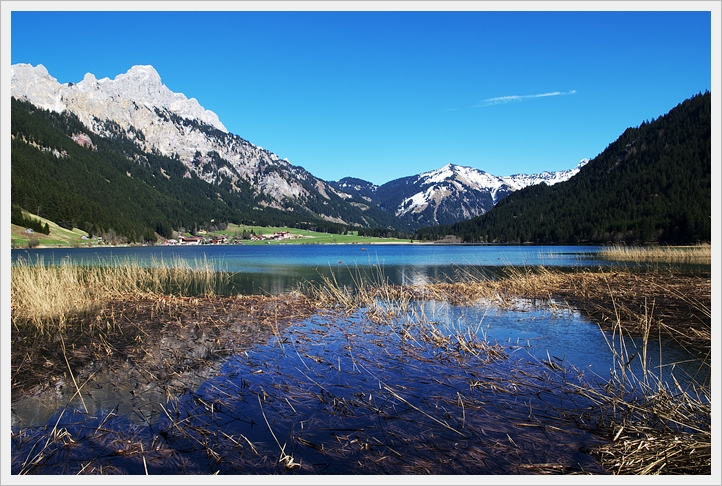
{"points": [[698, 254], [679, 305]]}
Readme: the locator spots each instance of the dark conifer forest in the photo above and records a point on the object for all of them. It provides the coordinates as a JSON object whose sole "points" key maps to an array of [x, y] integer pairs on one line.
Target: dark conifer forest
{"points": [[653, 184], [114, 187]]}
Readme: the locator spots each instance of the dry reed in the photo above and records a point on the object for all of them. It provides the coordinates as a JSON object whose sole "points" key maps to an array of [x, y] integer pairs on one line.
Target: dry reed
{"points": [[653, 427], [48, 296], [698, 254]]}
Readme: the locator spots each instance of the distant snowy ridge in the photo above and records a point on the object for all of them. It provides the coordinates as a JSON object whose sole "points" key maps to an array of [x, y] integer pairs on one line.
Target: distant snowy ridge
{"points": [[519, 181], [449, 194], [468, 192]]}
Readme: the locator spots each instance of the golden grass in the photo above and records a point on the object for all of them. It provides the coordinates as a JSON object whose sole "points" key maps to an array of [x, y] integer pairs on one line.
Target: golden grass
{"points": [[654, 427], [698, 254], [49, 296]]}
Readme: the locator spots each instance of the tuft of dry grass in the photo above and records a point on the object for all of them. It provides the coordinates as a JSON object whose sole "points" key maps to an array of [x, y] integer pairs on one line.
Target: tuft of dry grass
{"points": [[48, 297], [697, 254], [653, 427], [371, 292]]}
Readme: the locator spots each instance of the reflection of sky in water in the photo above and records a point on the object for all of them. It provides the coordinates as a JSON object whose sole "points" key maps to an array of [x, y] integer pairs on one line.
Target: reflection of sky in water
{"points": [[272, 258], [566, 336], [336, 376]]}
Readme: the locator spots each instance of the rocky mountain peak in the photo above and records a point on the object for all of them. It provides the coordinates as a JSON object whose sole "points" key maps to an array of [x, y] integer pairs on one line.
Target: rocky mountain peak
{"points": [[108, 99], [137, 105], [446, 195]]}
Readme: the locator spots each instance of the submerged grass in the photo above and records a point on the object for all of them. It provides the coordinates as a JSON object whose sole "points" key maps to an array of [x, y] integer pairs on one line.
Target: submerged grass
{"points": [[171, 344], [653, 427], [679, 304]]}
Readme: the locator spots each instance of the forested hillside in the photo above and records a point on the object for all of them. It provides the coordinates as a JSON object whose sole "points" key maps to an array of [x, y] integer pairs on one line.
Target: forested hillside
{"points": [[107, 186], [653, 184]]}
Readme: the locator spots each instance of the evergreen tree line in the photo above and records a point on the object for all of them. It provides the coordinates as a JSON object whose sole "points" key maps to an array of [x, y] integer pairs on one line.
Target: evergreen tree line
{"points": [[19, 218], [383, 233], [653, 184], [117, 189]]}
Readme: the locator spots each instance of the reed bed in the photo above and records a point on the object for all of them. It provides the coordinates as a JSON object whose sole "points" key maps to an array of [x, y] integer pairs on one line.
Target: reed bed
{"points": [[678, 304], [655, 427], [697, 254], [49, 296]]}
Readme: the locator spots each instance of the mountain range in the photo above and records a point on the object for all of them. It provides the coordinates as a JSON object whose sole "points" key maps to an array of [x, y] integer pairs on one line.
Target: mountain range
{"points": [[447, 195], [651, 185], [139, 109]]}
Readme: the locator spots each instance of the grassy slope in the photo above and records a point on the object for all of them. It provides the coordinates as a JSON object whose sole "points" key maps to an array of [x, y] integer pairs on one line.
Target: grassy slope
{"points": [[58, 236]]}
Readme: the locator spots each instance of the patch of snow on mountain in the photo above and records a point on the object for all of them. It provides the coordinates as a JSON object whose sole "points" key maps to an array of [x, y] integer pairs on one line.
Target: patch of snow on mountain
{"points": [[438, 175], [468, 183], [416, 203]]}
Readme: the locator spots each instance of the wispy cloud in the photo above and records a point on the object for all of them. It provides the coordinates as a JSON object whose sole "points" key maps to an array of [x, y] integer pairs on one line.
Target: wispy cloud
{"points": [[500, 100]]}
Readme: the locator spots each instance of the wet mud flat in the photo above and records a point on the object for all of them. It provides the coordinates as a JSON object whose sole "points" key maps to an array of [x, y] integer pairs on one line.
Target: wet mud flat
{"points": [[272, 385]]}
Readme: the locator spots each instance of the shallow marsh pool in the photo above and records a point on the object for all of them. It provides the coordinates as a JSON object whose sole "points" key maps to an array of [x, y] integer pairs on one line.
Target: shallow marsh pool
{"points": [[438, 389]]}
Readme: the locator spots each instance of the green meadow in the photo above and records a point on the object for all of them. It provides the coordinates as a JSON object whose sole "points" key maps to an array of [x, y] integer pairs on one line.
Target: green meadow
{"points": [[303, 237], [58, 236]]}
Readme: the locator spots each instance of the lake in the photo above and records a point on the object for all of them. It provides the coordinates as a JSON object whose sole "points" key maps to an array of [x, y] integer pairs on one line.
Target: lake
{"points": [[274, 269]]}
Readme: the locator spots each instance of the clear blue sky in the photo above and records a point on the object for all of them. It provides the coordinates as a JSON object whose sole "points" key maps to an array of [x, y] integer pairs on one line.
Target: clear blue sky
{"points": [[382, 95]]}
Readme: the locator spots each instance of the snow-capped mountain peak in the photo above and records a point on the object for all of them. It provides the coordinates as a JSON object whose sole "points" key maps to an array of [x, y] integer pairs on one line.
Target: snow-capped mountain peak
{"points": [[455, 192], [446, 195]]}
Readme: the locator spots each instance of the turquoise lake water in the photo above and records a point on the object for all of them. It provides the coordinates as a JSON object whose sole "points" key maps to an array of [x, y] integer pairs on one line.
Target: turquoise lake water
{"points": [[279, 268]]}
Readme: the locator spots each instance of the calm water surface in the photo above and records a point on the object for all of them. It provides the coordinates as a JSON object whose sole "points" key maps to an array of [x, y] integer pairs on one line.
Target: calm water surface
{"points": [[280, 268]]}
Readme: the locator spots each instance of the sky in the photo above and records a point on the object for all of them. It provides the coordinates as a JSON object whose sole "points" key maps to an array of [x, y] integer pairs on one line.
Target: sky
{"points": [[380, 95]]}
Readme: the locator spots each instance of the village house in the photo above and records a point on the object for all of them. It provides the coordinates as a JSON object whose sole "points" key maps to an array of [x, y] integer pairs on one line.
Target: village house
{"points": [[281, 235], [190, 240]]}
